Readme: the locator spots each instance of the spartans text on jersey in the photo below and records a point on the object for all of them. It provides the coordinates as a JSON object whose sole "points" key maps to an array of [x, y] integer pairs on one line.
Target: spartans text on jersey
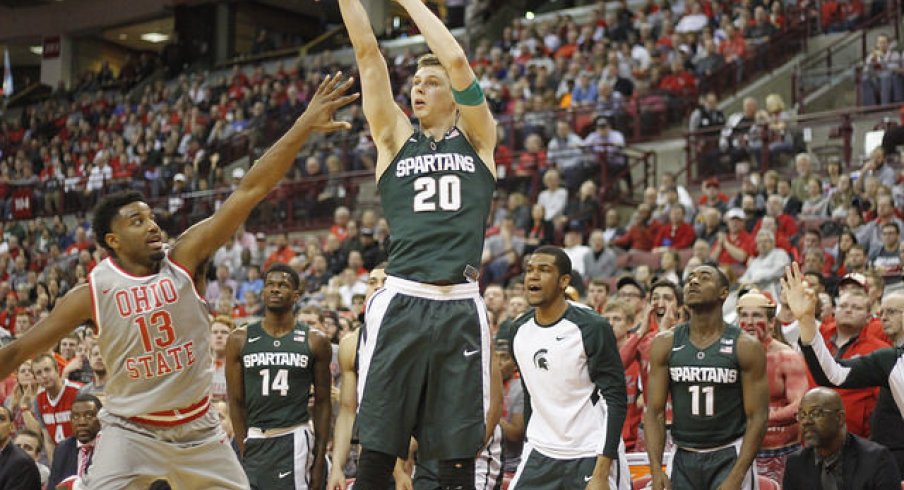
{"points": [[437, 162], [290, 359], [694, 374]]}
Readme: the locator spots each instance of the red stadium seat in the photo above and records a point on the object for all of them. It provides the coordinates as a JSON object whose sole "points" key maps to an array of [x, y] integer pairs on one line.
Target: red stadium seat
{"points": [[642, 257], [641, 482], [768, 483]]}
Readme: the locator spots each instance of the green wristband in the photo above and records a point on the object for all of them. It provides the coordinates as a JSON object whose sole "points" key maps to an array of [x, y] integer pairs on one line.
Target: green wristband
{"points": [[471, 96]]}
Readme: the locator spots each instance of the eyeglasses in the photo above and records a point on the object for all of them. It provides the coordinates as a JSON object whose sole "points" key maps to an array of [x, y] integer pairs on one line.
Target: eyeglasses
{"points": [[813, 415], [83, 416], [890, 311]]}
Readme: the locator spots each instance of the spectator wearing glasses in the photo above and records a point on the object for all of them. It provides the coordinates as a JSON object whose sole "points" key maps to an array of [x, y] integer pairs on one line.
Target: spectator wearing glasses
{"points": [[880, 368], [834, 457]]}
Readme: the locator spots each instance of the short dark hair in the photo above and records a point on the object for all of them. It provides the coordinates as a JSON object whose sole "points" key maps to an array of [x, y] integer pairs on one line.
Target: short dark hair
{"points": [[428, 59], [41, 357], [665, 283], [107, 209], [893, 225], [598, 281], [30, 433], [283, 267], [88, 397], [563, 263], [814, 231]]}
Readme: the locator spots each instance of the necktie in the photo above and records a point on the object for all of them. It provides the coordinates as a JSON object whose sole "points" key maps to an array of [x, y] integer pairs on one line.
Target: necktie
{"points": [[84, 457], [826, 478]]}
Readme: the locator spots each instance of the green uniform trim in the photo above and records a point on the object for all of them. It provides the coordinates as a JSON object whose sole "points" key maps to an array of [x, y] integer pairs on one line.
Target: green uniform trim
{"points": [[471, 96]]}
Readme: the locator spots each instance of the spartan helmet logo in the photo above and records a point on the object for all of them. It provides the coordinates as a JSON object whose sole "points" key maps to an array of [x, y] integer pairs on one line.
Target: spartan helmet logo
{"points": [[540, 361]]}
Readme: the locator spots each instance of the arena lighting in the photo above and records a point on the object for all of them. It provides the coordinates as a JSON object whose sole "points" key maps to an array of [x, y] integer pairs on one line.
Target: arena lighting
{"points": [[38, 50], [154, 37], [529, 15]]}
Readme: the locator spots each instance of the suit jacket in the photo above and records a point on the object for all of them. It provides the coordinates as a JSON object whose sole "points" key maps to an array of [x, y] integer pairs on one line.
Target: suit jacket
{"points": [[17, 470], [865, 466], [65, 462]]}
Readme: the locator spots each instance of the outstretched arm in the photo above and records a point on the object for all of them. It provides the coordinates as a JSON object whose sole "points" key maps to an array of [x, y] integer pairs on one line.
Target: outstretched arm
{"points": [[70, 312], [476, 120], [752, 360], [202, 239], [388, 124]]}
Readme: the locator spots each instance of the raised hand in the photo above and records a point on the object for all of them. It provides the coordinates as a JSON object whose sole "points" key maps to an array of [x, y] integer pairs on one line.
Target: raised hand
{"points": [[802, 299], [328, 98]]}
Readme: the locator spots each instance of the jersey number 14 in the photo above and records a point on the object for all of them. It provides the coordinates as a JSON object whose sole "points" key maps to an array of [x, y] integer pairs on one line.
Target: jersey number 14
{"points": [[280, 382], [448, 196]]}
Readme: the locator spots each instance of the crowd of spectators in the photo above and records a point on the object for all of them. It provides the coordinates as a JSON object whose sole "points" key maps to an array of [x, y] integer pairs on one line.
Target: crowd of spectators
{"points": [[646, 65]]}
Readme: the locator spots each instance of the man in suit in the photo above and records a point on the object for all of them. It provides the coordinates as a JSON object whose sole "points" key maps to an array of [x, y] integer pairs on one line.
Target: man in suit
{"points": [[834, 459], [73, 455]]}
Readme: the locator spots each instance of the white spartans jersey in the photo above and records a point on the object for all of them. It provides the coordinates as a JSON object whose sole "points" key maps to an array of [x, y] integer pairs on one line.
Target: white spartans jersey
{"points": [[153, 333]]}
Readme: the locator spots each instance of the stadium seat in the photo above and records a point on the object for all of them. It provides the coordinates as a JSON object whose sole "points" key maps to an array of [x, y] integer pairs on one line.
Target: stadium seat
{"points": [[768, 483], [642, 257], [641, 482]]}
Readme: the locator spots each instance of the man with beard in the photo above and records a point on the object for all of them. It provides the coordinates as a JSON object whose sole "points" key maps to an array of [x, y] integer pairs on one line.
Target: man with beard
{"points": [[73, 456], [787, 375], [574, 384], [99, 368], [270, 367], [716, 376]]}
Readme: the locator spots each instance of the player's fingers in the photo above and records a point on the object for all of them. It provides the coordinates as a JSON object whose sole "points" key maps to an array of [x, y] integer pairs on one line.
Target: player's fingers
{"points": [[322, 86], [340, 88], [344, 101], [337, 126], [336, 80]]}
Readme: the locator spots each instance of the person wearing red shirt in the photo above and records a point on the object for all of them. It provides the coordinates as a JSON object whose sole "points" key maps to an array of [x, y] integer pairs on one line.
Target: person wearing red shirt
{"points": [[641, 233], [734, 47], [812, 239], [619, 314], [679, 82], [676, 234], [283, 252], [734, 247], [712, 196], [55, 401], [846, 341], [786, 224]]}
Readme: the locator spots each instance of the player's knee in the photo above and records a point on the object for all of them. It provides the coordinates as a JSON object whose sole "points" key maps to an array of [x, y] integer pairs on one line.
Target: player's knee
{"points": [[456, 474], [374, 470]]}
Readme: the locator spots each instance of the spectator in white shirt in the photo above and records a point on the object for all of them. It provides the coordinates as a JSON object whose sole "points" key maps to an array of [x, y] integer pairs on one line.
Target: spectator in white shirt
{"points": [[554, 198]]}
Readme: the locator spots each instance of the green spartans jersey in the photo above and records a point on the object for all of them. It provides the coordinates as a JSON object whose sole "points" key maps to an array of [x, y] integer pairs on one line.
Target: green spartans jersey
{"points": [[436, 197], [278, 373], [705, 384]]}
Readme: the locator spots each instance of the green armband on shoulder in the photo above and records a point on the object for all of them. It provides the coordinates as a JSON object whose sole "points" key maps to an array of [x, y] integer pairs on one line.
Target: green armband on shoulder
{"points": [[471, 96]]}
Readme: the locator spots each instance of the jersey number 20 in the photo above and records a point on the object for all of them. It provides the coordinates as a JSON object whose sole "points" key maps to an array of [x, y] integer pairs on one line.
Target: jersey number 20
{"points": [[449, 195], [709, 402]]}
